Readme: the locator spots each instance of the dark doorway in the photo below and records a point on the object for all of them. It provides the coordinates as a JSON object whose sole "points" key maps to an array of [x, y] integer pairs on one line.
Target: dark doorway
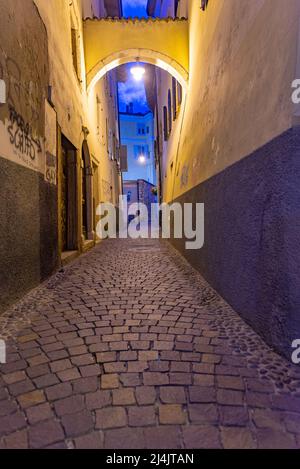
{"points": [[87, 197], [69, 196]]}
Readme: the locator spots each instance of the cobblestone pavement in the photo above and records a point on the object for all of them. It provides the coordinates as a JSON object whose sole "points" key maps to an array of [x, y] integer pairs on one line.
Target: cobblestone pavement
{"points": [[130, 348]]}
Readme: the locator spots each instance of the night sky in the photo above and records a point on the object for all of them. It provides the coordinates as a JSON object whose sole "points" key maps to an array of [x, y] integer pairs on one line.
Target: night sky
{"points": [[134, 8], [132, 91]]}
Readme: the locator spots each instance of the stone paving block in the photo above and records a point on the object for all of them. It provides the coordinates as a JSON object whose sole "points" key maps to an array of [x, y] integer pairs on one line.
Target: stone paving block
{"points": [[77, 423], [230, 397], [106, 357], [128, 356], [45, 433], [137, 366], [7, 407], [203, 413], [141, 416], [237, 438], [198, 394], [155, 379], [84, 385], [110, 381], [98, 399], [124, 438], [59, 391], [111, 417], [69, 405], [172, 414], [145, 395], [11, 423], [90, 370], [181, 378], [21, 387], [17, 440], [172, 394], [31, 398], [267, 418], [46, 380], [201, 437], [69, 375], [15, 377], [233, 416], [163, 437], [148, 355], [92, 440], [123, 397], [39, 413]]}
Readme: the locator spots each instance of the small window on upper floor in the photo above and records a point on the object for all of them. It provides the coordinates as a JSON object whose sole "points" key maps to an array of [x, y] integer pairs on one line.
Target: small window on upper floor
{"points": [[165, 121], [74, 38], [169, 112], [141, 129], [179, 93], [204, 4], [174, 96]]}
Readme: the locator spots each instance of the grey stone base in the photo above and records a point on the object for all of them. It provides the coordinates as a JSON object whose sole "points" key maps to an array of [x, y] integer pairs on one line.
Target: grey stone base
{"points": [[28, 231], [251, 254]]}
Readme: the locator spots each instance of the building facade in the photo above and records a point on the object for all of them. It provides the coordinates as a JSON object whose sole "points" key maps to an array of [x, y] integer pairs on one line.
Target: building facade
{"points": [[59, 152], [234, 146], [137, 135]]}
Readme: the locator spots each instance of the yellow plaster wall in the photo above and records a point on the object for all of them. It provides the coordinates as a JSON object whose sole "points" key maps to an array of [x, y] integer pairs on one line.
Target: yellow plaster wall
{"points": [[242, 63]]}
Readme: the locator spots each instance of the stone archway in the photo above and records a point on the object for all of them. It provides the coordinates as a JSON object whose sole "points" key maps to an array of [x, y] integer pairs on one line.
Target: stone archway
{"points": [[87, 198], [113, 42]]}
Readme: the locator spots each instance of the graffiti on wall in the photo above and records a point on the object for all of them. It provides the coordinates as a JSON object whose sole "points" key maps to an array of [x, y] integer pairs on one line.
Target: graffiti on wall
{"points": [[20, 118], [20, 135]]}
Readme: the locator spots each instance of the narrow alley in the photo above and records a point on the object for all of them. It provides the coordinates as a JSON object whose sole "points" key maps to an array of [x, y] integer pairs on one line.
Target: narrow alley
{"points": [[129, 347], [150, 227]]}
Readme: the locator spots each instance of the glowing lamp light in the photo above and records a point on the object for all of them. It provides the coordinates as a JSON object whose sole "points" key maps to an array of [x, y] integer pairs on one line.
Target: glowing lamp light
{"points": [[142, 159], [137, 72]]}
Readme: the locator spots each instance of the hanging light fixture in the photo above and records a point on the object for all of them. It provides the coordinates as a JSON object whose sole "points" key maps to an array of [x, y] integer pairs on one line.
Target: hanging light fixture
{"points": [[142, 159], [137, 71]]}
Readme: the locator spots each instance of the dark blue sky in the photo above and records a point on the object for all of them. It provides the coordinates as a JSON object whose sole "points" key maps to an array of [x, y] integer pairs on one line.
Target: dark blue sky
{"points": [[134, 8], [132, 91]]}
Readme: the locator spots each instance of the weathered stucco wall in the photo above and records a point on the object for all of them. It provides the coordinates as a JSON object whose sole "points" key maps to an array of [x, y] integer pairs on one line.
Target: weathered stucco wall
{"points": [[238, 153], [36, 64], [28, 251], [242, 64]]}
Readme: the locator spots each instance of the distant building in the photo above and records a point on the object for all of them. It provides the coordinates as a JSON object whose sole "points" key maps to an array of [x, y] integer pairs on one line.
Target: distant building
{"points": [[140, 191], [137, 135]]}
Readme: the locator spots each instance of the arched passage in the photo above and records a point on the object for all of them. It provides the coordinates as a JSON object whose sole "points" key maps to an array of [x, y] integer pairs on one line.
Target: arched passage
{"points": [[113, 42], [148, 56]]}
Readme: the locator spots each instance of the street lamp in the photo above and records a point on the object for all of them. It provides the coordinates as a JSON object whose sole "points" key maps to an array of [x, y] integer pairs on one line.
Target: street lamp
{"points": [[142, 159], [137, 72]]}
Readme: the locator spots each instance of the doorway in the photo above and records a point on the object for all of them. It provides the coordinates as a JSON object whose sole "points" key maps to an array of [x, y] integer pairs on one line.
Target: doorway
{"points": [[69, 196], [87, 197]]}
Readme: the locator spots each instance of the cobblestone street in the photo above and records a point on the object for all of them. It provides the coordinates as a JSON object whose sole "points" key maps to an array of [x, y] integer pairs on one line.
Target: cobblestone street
{"points": [[128, 347]]}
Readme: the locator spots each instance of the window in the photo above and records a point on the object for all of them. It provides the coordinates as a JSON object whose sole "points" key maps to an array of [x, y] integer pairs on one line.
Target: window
{"points": [[165, 120], [204, 4], [174, 93], [141, 150], [169, 112], [179, 93], [141, 129], [74, 36]]}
